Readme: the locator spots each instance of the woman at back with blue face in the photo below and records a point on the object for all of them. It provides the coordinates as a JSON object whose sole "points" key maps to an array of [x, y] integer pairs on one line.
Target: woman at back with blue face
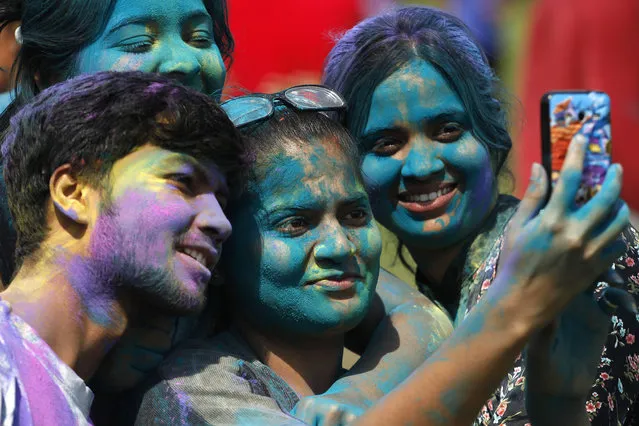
{"points": [[187, 39], [425, 107]]}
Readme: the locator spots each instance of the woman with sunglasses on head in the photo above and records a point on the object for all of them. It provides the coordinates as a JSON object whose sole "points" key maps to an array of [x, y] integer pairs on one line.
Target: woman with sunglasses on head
{"points": [[424, 106], [300, 272]]}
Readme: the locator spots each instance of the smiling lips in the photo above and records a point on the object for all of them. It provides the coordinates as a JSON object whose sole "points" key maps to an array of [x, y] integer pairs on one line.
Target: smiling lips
{"points": [[203, 257], [336, 283], [428, 199], [200, 257]]}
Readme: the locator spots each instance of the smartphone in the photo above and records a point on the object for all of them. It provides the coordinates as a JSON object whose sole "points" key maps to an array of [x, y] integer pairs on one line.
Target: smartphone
{"points": [[566, 114]]}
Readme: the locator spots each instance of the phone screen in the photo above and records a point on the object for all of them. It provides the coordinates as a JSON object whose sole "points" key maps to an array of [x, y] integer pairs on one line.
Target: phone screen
{"points": [[566, 115]]}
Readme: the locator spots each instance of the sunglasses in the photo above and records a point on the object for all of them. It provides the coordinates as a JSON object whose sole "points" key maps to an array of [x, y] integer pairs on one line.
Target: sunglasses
{"points": [[249, 109]]}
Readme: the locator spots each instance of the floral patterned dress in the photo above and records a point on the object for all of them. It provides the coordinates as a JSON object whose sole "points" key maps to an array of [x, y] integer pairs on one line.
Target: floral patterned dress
{"points": [[617, 384]]}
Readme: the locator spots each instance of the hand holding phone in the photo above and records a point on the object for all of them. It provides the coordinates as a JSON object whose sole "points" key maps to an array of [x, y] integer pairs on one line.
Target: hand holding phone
{"points": [[566, 115], [585, 115]]}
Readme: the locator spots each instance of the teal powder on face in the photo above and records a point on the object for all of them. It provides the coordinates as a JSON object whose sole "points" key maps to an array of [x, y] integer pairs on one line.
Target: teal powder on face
{"points": [[408, 105], [163, 36], [306, 188]]}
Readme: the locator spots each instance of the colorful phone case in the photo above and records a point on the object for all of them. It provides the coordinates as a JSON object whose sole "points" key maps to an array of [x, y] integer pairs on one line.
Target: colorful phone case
{"points": [[567, 114]]}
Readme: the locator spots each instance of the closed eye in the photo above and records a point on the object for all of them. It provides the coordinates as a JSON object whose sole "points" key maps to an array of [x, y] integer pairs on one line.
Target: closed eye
{"points": [[201, 39], [138, 44]]}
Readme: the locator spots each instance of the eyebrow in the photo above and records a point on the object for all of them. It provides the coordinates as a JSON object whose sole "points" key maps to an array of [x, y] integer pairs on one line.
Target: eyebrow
{"points": [[144, 19], [356, 198], [200, 171], [132, 20], [451, 113]]}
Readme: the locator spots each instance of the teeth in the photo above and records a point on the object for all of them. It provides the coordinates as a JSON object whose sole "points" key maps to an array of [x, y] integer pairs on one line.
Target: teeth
{"points": [[422, 198], [196, 255]]}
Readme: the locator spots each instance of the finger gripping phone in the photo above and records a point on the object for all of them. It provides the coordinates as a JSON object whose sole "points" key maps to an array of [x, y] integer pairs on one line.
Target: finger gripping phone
{"points": [[566, 114]]}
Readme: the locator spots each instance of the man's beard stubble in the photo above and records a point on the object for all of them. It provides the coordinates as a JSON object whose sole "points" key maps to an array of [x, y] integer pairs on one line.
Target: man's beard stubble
{"points": [[127, 260]]}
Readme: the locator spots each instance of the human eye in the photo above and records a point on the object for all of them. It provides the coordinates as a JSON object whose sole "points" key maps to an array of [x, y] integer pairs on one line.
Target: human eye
{"points": [[387, 145], [293, 226], [201, 39], [357, 217], [139, 44], [449, 131], [183, 182]]}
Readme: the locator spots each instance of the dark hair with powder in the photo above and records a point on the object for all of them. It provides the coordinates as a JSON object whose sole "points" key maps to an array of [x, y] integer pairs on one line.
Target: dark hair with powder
{"points": [[94, 120], [374, 49], [300, 128]]}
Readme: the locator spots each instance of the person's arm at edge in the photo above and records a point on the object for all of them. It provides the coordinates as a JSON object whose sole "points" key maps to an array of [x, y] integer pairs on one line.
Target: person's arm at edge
{"points": [[452, 385], [399, 314], [173, 400]]}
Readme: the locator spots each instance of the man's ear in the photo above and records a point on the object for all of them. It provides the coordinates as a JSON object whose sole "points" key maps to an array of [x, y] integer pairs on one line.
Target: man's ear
{"points": [[69, 196]]}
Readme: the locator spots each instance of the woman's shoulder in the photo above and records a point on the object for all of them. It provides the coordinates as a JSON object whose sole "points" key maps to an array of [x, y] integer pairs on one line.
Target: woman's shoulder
{"points": [[388, 278], [203, 356], [396, 292], [211, 380]]}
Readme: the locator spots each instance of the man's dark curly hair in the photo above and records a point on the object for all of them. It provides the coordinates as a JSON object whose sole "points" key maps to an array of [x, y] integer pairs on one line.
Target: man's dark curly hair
{"points": [[94, 120]]}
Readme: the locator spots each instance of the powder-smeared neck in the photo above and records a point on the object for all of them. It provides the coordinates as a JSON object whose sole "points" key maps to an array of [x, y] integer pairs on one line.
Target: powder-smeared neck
{"points": [[57, 308], [309, 366]]}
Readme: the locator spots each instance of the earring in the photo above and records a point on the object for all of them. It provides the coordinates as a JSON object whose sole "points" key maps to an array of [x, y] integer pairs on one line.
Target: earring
{"points": [[18, 34]]}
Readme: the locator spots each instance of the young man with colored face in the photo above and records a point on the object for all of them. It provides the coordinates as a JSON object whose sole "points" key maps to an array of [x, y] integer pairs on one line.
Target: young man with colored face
{"points": [[117, 182]]}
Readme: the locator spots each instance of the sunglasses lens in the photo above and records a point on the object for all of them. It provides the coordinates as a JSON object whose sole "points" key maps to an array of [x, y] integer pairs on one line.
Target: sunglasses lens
{"points": [[312, 97], [247, 109]]}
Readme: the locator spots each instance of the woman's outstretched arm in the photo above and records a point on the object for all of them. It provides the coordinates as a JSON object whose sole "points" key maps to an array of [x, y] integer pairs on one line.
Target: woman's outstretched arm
{"points": [[560, 252]]}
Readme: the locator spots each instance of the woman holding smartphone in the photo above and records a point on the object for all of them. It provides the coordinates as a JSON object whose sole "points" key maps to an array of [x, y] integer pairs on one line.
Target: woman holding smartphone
{"points": [[300, 271], [424, 106]]}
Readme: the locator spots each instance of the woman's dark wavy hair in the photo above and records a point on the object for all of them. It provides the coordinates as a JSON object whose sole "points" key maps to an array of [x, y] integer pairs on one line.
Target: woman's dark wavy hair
{"points": [[374, 49], [55, 31]]}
